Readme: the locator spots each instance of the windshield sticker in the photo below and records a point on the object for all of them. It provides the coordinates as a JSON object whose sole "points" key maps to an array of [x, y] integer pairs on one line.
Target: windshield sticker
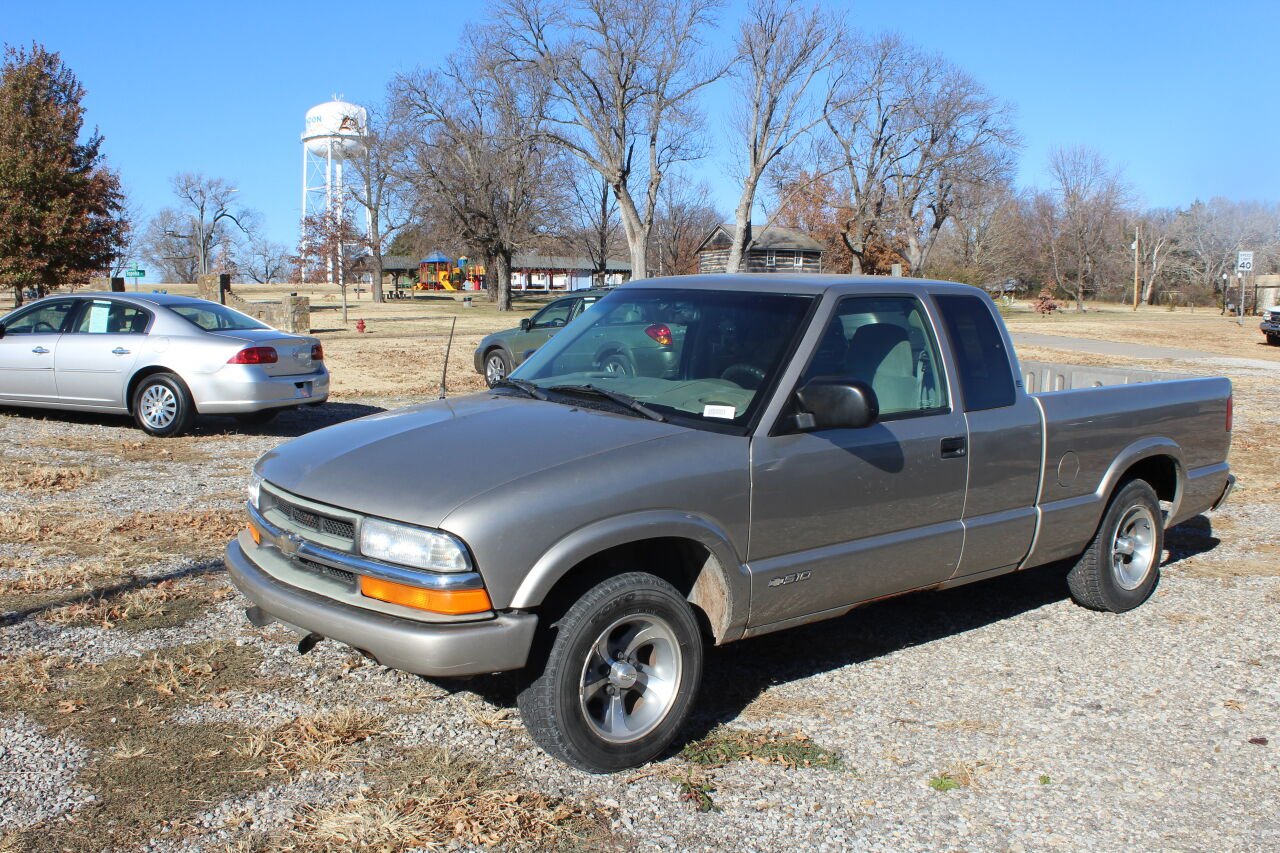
{"points": [[713, 411]]}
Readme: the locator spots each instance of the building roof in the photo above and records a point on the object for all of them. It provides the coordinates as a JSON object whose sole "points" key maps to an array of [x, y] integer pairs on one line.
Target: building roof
{"points": [[538, 263], [769, 237], [390, 263]]}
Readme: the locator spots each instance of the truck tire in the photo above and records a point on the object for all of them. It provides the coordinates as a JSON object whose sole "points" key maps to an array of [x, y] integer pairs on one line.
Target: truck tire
{"points": [[162, 405], [1120, 568], [620, 676], [1273, 339]]}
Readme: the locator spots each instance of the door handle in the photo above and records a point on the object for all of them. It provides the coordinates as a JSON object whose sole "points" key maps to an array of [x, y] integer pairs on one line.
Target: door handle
{"points": [[120, 351], [39, 350], [954, 447]]}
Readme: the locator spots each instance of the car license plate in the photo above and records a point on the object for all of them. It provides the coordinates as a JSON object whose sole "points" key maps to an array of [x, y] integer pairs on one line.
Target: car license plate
{"points": [[304, 390]]}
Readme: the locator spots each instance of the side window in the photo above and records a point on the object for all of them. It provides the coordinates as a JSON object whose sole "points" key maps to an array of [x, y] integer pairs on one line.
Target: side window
{"points": [[986, 375], [886, 342], [107, 317], [47, 319], [555, 314]]}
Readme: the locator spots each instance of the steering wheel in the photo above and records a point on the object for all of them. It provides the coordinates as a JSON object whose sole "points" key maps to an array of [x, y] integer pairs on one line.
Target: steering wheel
{"points": [[745, 375], [42, 326]]}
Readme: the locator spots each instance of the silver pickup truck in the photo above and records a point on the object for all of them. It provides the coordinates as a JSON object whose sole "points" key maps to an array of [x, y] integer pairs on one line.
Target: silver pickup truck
{"points": [[808, 444]]}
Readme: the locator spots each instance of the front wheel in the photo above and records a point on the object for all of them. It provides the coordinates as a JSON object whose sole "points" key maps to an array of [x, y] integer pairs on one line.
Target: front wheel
{"points": [[620, 677], [162, 405], [1120, 568]]}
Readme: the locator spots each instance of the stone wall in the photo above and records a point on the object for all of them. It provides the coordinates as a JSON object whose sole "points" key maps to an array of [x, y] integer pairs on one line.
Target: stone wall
{"points": [[291, 314]]}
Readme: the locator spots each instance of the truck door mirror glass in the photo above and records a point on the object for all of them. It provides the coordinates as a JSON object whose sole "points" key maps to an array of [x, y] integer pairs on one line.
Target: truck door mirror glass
{"points": [[525, 324], [828, 403]]}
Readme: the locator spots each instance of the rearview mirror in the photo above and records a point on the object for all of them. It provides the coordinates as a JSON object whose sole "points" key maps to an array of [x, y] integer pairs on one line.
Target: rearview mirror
{"points": [[525, 324], [832, 403]]}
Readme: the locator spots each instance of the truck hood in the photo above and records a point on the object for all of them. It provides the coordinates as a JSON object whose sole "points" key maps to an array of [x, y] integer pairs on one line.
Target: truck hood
{"points": [[417, 464]]}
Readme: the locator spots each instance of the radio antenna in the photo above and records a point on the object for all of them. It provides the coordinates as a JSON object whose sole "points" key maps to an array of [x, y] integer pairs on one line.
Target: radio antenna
{"points": [[448, 347]]}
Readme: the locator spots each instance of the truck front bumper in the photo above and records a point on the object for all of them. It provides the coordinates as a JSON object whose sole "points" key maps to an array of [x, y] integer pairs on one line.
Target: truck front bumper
{"points": [[439, 650]]}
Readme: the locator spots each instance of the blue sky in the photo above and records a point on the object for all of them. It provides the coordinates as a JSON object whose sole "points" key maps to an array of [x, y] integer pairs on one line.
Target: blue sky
{"points": [[1185, 97]]}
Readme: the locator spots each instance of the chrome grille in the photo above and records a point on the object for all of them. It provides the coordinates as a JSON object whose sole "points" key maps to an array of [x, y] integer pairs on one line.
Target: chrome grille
{"points": [[309, 520]]}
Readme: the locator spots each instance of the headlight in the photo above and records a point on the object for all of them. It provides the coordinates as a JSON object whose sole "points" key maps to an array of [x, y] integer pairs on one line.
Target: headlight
{"points": [[255, 487], [412, 546]]}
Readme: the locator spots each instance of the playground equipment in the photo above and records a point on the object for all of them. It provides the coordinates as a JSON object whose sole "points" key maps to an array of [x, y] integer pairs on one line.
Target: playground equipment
{"points": [[439, 272]]}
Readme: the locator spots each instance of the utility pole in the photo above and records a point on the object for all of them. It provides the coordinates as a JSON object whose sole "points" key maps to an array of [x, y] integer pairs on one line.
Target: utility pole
{"points": [[1137, 237]]}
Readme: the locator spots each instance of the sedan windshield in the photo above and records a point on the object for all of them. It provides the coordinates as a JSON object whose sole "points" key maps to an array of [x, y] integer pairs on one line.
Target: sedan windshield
{"points": [[216, 318], [699, 355]]}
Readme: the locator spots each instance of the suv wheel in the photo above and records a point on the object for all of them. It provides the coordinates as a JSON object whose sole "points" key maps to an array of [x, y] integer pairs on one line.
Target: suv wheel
{"points": [[621, 675], [497, 364]]}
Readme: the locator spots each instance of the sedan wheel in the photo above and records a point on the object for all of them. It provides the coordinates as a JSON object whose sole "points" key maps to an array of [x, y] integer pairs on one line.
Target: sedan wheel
{"points": [[162, 406]]}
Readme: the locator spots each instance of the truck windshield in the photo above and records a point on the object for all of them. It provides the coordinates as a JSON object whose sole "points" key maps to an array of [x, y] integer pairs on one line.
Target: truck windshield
{"points": [[704, 356]]}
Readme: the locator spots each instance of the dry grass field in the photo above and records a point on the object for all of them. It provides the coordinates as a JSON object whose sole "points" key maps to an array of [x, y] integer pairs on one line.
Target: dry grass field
{"points": [[138, 711]]}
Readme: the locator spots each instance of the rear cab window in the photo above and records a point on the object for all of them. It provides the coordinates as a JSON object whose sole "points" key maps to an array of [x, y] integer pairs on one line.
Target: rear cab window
{"points": [[982, 360]]}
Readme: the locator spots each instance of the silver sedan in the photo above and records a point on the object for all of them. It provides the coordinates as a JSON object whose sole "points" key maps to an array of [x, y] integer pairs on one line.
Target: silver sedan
{"points": [[162, 359]]}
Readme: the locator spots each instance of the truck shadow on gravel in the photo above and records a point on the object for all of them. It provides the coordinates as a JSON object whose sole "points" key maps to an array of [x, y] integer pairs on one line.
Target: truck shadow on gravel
{"points": [[737, 674], [1194, 536]]}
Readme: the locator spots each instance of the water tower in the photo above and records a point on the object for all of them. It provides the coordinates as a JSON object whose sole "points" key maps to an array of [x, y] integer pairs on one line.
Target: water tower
{"points": [[334, 133]]}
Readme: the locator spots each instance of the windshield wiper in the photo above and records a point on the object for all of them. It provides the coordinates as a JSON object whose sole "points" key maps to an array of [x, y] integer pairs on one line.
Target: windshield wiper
{"points": [[618, 397], [528, 388]]}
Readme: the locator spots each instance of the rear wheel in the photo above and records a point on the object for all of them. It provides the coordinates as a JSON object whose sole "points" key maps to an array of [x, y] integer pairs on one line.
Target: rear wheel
{"points": [[620, 677], [162, 405], [497, 364], [1120, 568], [1273, 339], [617, 364]]}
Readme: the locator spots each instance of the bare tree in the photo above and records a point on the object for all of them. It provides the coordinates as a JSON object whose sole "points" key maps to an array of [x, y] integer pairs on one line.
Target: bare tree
{"points": [[168, 247], [787, 70], [333, 242], [622, 76], [381, 188], [209, 206], [593, 225], [685, 217], [1080, 219], [480, 153], [263, 260], [1154, 234]]}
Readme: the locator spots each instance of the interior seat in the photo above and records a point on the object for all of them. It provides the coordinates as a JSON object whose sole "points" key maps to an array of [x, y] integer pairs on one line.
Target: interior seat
{"points": [[880, 355]]}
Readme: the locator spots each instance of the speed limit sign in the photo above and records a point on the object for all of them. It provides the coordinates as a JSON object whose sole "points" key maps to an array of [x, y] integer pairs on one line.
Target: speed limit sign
{"points": [[1244, 262]]}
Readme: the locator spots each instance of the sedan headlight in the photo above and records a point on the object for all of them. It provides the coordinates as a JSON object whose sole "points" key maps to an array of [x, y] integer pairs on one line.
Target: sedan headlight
{"points": [[255, 488], [412, 546]]}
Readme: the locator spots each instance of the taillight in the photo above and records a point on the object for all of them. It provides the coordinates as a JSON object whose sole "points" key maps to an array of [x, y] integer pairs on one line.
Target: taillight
{"points": [[255, 355], [660, 332], [317, 352], [1230, 411]]}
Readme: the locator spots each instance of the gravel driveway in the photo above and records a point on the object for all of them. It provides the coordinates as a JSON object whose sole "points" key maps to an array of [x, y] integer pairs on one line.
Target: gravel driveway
{"points": [[140, 711]]}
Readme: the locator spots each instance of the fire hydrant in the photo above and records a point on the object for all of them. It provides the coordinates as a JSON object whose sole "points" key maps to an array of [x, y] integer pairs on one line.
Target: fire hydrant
{"points": [[360, 325]]}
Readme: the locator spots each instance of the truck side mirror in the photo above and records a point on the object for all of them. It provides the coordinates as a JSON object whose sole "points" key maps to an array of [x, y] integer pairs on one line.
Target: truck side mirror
{"points": [[525, 324], [833, 403], [1, 330]]}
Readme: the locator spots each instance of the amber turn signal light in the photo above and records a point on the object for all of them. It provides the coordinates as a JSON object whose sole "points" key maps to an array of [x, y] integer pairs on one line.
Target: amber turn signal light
{"points": [[453, 602], [256, 534]]}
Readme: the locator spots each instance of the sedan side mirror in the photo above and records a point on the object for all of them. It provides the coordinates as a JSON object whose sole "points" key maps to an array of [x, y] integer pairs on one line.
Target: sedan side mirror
{"points": [[832, 403], [1, 330], [525, 324]]}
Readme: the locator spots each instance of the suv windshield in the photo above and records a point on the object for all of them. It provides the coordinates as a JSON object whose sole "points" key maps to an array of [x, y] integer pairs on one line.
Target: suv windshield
{"points": [[703, 355], [216, 318]]}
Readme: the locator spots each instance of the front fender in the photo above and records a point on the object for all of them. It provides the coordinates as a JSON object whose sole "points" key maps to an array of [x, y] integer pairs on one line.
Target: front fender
{"points": [[622, 530]]}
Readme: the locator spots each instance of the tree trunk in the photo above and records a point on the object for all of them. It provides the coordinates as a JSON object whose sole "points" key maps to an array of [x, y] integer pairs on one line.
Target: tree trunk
{"points": [[742, 235], [375, 286], [637, 232], [503, 259], [491, 277]]}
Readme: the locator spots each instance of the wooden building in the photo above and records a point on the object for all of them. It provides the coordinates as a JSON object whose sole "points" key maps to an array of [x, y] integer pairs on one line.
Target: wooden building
{"points": [[771, 249], [549, 272]]}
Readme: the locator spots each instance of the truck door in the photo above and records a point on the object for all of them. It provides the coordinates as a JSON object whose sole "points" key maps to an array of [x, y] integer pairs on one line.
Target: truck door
{"points": [[1005, 438], [95, 359], [846, 515]]}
